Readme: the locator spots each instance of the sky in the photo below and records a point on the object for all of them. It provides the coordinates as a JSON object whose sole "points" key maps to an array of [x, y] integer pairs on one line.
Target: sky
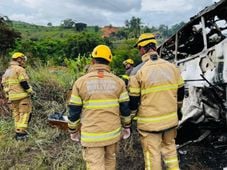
{"points": [[102, 12]]}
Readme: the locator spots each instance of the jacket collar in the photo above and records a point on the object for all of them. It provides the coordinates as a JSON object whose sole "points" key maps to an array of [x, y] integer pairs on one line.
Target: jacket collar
{"points": [[14, 63], [96, 67], [147, 56]]}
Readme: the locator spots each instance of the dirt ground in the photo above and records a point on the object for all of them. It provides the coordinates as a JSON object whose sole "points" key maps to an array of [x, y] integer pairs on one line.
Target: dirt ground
{"points": [[202, 157], [199, 156]]}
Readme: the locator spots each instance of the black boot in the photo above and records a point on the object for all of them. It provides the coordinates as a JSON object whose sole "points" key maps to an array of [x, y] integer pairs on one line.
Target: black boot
{"points": [[21, 136]]}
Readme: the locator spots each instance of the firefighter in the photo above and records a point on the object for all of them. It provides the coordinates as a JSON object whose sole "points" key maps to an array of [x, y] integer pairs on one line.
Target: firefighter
{"points": [[18, 92], [128, 64], [95, 105], [153, 92]]}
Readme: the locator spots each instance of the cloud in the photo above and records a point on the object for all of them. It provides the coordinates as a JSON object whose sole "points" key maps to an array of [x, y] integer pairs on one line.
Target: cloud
{"points": [[174, 5], [170, 11], [30, 3], [112, 6], [165, 5], [102, 12]]}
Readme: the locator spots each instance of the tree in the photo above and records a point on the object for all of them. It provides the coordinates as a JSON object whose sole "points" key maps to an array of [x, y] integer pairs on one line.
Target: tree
{"points": [[146, 29], [122, 34], [49, 24], [82, 44], [176, 27], [68, 23], [80, 26], [127, 24], [8, 37], [164, 30], [96, 28], [134, 26]]}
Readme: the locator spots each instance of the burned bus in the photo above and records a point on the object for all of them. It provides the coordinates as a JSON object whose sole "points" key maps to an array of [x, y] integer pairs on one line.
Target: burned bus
{"points": [[199, 49]]}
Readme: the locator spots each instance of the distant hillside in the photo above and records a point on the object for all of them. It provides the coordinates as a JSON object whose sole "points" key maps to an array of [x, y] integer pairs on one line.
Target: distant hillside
{"points": [[36, 32], [108, 31]]}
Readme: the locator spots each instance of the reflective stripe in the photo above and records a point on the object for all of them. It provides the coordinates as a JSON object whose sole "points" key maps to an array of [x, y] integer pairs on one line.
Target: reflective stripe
{"points": [[22, 125], [99, 104], [73, 125], [17, 96], [75, 100], [157, 119], [6, 89], [134, 90], [172, 163], [148, 161], [96, 137], [12, 82], [181, 82], [125, 77], [21, 77], [124, 97], [126, 120], [174, 168], [23, 122], [88, 165], [29, 90], [159, 88]]}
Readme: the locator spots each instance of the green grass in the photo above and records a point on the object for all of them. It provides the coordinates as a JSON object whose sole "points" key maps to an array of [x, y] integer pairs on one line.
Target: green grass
{"points": [[50, 148], [31, 31], [46, 148]]}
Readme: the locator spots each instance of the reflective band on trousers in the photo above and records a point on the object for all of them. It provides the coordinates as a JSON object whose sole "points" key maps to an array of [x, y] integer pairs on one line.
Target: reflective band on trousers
{"points": [[148, 161], [97, 137], [124, 97], [23, 122], [99, 104], [73, 125], [22, 125], [175, 168], [172, 163], [17, 96], [159, 88], [156, 119]]}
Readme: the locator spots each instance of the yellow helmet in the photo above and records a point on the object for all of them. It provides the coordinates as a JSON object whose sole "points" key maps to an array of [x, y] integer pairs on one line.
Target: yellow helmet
{"points": [[17, 55], [144, 39], [128, 61], [102, 51]]}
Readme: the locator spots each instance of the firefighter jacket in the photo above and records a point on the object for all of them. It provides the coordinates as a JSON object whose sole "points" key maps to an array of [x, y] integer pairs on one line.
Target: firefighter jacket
{"points": [[125, 76], [100, 93], [11, 82], [156, 82], [128, 71]]}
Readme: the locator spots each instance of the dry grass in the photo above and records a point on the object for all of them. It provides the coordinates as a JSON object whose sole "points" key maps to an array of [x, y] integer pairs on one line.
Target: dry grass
{"points": [[49, 148]]}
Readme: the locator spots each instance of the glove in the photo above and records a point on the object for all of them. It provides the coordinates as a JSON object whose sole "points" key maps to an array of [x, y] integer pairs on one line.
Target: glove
{"points": [[126, 132], [75, 137]]}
